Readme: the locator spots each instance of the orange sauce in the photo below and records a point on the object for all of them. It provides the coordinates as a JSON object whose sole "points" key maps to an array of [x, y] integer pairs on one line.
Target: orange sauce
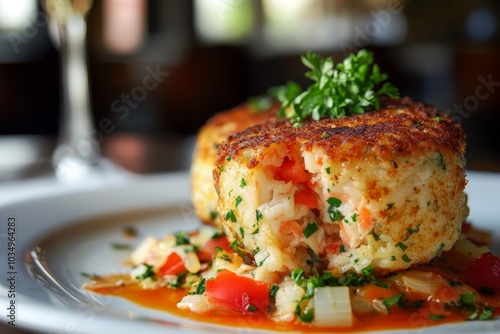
{"points": [[449, 266], [166, 299]]}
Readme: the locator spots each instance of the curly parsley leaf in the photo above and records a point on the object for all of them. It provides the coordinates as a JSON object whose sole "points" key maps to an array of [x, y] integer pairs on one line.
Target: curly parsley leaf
{"points": [[337, 91]]}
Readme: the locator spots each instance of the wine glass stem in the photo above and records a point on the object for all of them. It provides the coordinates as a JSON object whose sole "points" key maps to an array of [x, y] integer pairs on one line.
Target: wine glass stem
{"points": [[76, 140]]}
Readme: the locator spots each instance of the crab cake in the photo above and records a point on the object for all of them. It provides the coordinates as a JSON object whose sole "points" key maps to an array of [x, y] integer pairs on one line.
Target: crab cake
{"points": [[210, 136], [383, 189]]}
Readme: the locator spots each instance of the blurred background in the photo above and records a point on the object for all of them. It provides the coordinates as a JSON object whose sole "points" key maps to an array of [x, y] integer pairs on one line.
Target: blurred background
{"points": [[159, 69]]}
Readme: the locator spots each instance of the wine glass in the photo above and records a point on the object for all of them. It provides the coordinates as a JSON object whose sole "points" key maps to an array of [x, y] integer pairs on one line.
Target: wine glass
{"points": [[77, 154]]}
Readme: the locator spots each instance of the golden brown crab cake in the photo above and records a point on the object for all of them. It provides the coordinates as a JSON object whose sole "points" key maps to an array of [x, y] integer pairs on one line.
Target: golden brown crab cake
{"points": [[382, 189], [209, 137]]}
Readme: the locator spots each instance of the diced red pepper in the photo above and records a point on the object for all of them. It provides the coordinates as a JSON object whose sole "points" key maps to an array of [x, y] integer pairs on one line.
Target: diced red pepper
{"points": [[240, 293], [291, 170], [173, 265], [207, 252], [307, 197], [484, 272]]}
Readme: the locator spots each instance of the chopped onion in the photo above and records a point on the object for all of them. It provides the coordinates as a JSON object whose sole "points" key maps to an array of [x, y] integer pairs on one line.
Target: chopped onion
{"points": [[424, 282], [332, 306], [139, 255], [190, 259], [196, 304]]}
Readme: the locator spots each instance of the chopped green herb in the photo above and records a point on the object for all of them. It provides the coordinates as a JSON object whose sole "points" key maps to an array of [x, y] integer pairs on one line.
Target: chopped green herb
{"points": [[242, 232], [374, 235], [342, 248], [393, 300], [324, 135], [487, 313], [213, 214], [228, 158], [389, 206], [259, 104], [243, 183], [238, 200], [310, 229], [337, 91], [413, 231], [147, 271], [234, 246], [218, 234], [256, 250], [177, 282], [90, 276], [335, 202], [440, 161], [273, 290], [468, 298], [406, 258], [354, 217], [119, 246], [435, 317], [441, 247], [305, 316], [327, 170], [182, 238], [255, 231], [333, 211], [251, 308], [367, 271], [313, 257], [418, 303], [200, 289], [258, 215], [230, 216], [402, 246], [393, 258]]}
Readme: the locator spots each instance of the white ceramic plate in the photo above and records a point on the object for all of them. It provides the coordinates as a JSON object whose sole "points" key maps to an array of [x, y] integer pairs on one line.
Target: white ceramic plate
{"points": [[59, 237]]}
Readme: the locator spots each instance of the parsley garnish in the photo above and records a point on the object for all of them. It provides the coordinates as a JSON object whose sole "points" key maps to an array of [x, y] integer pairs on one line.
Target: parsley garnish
{"points": [[238, 201], [334, 214], [118, 246], [243, 183], [90, 276], [258, 215], [200, 289], [182, 238], [435, 317], [338, 90], [393, 300], [147, 271], [230, 216], [310, 229]]}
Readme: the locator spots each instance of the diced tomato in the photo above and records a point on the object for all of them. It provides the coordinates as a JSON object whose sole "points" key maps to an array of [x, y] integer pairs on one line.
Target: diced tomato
{"points": [[173, 265], [240, 293], [307, 197], [207, 252], [466, 227], [332, 248], [290, 227], [291, 170], [484, 272]]}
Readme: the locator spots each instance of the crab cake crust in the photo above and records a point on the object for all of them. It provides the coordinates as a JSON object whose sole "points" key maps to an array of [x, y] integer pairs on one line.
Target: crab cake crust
{"points": [[210, 136], [384, 188]]}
